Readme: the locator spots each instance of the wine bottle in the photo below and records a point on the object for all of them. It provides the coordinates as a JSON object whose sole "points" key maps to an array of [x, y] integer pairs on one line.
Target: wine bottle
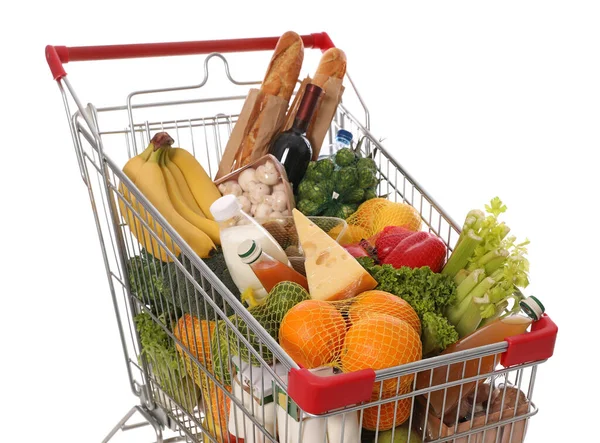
{"points": [[291, 147]]}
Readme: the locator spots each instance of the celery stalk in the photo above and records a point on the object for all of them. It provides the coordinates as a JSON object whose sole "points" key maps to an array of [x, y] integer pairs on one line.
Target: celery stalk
{"points": [[496, 253], [469, 321], [494, 264], [467, 285], [460, 276], [461, 254], [455, 312]]}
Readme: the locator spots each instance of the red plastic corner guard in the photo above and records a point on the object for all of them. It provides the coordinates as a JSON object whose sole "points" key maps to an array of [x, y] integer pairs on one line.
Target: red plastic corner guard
{"points": [[531, 346], [57, 55], [317, 394]]}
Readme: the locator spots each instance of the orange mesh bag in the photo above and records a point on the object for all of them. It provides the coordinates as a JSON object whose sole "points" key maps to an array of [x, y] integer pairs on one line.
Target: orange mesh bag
{"points": [[388, 415], [375, 330], [375, 214]]}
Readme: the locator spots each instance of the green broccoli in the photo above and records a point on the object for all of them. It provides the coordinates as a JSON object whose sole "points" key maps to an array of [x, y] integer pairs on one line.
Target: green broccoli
{"points": [[367, 178], [345, 157], [355, 195], [345, 179], [366, 162], [370, 193], [308, 175], [323, 169], [308, 207], [318, 194], [304, 188]]}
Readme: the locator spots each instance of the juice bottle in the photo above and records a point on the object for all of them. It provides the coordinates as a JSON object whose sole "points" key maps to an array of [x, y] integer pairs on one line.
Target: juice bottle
{"points": [[235, 227], [268, 270], [493, 332]]}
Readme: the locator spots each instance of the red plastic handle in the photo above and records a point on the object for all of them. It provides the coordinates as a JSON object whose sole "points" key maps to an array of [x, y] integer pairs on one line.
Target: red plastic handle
{"points": [[531, 346], [57, 55], [316, 394]]}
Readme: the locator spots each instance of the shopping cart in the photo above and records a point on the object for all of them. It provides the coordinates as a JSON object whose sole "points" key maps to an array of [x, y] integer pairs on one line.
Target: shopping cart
{"points": [[302, 406]]}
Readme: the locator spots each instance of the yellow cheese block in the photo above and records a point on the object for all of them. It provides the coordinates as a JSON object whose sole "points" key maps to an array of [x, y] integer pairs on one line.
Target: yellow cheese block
{"points": [[332, 273]]}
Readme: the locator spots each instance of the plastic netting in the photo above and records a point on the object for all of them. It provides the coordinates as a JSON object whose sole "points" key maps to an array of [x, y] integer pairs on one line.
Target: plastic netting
{"points": [[375, 214], [374, 330]]}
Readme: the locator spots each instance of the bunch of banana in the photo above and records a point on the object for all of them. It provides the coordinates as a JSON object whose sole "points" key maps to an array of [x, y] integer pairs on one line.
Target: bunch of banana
{"points": [[179, 188]]}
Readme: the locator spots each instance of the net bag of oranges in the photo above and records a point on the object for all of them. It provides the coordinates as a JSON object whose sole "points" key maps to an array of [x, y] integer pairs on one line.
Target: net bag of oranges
{"points": [[374, 330]]}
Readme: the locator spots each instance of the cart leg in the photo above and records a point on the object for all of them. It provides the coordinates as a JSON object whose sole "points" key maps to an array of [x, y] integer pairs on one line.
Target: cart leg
{"points": [[121, 426]]}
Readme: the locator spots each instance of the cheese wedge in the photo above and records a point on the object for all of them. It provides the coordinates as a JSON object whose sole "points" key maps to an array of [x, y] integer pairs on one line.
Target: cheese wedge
{"points": [[332, 273]]}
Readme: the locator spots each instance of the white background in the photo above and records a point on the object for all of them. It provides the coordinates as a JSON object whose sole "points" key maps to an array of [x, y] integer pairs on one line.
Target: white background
{"points": [[475, 99]]}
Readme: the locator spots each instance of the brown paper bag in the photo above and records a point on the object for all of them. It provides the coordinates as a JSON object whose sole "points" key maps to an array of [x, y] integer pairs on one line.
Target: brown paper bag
{"points": [[324, 112], [272, 109], [326, 109]]}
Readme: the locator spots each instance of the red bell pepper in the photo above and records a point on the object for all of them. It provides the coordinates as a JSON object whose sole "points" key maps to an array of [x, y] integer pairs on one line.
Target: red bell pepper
{"points": [[412, 249]]}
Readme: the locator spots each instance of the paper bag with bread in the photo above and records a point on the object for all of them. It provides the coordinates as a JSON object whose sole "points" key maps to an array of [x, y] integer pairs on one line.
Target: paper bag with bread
{"points": [[264, 110], [329, 77]]}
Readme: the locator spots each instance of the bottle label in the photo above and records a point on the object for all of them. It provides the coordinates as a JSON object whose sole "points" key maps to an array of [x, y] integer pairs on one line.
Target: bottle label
{"points": [[335, 195]]}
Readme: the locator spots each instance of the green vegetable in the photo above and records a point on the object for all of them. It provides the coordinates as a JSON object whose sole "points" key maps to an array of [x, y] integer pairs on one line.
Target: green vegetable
{"points": [[400, 435], [354, 196], [345, 157], [160, 352], [336, 186], [367, 177], [489, 268], [168, 291], [283, 297], [428, 293]]}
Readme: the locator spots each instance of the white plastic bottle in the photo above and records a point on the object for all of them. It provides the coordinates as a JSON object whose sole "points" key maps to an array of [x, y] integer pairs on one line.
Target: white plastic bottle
{"points": [[343, 139], [235, 227]]}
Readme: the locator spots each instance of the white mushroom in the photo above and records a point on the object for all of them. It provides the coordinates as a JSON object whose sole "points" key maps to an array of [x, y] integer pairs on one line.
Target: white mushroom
{"points": [[269, 199], [276, 214], [270, 167], [280, 201], [259, 192], [253, 210], [245, 177], [230, 187], [263, 210], [285, 213], [279, 187], [266, 175], [245, 203]]}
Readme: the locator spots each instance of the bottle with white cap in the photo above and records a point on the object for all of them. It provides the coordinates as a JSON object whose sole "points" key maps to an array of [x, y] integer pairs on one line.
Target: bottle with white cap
{"points": [[343, 139], [235, 227]]}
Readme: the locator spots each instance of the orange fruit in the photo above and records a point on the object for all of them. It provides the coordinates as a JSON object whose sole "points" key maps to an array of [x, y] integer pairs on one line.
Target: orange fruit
{"points": [[380, 341], [381, 302], [398, 214], [367, 213], [387, 415], [312, 333], [216, 405]]}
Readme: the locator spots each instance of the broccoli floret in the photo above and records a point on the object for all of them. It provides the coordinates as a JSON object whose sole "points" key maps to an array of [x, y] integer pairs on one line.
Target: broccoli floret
{"points": [[308, 207], [345, 157], [323, 169], [318, 194], [345, 179], [308, 175], [370, 193], [304, 188], [340, 210], [367, 178], [437, 333], [355, 195], [367, 163]]}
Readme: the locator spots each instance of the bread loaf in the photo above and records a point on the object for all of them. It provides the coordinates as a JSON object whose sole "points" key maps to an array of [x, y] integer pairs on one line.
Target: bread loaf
{"points": [[332, 64], [280, 79]]}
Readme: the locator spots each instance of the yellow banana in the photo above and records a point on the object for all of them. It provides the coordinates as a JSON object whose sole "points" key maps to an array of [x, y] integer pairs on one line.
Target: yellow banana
{"points": [[151, 183], [209, 227], [202, 187], [131, 169], [186, 194]]}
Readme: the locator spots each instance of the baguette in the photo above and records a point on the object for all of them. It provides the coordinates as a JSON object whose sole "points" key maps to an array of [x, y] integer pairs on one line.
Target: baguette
{"points": [[332, 64], [280, 79]]}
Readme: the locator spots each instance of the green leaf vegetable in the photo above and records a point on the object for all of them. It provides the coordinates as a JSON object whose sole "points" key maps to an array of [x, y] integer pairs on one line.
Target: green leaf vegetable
{"points": [[336, 186], [489, 268], [159, 351], [168, 291], [428, 293]]}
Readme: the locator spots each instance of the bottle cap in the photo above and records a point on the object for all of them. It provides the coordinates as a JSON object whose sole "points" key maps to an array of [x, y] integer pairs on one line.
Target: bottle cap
{"points": [[532, 307], [225, 207], [344, 136], [249, 251]]}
